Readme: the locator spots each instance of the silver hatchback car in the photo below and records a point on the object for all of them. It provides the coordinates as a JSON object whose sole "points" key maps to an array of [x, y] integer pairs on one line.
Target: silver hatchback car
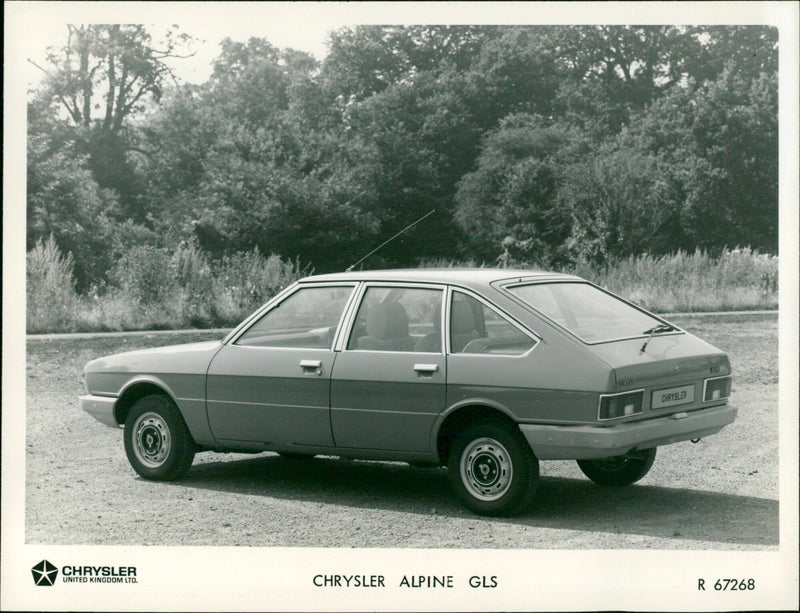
{"points": [[484, 371]]}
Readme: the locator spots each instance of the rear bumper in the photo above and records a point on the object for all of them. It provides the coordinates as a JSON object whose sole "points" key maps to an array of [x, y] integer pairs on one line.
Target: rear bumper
{"points": [[101, 408], [593, 442]]}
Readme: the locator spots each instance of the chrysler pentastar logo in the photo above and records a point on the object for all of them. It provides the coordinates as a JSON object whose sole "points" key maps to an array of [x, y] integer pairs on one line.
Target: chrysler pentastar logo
{"points": [[44, 573]]}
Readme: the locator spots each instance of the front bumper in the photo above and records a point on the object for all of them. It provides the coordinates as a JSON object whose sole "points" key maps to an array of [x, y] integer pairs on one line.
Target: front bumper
{"points": [[101, 408], [594, 442]]}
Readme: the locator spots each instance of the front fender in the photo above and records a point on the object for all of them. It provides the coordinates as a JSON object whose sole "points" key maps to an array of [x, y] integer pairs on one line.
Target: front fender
{"points": [[150, 379], [190, 401]]}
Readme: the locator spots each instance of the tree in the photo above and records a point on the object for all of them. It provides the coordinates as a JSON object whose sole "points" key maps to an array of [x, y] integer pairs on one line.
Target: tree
{"points": [[66, 203], [733, 194], [117, 63], [621, 201], [747, 50], [251, 82], [101, 79], [366, 60], [511, 205], [532, 143]]}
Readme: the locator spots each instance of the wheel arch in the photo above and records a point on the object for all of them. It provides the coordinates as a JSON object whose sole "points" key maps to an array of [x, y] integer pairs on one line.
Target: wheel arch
{"points": [[136, 389], [463, 414]]}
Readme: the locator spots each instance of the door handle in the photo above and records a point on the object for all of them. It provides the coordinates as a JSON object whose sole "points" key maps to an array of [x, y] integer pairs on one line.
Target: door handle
{"points": [[426, 368], [314, 366]]}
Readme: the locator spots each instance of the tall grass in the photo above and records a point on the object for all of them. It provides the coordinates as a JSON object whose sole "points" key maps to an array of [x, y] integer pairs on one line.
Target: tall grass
{"points": [[737, 279], [153, 288], [50, 293], [244, 281]]}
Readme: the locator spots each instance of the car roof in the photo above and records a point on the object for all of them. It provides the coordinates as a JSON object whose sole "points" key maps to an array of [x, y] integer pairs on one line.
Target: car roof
{"points": [[471, 277]]}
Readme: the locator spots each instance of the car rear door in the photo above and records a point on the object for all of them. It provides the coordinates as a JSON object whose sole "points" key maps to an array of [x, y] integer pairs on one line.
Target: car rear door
{"points": [[388, 382], [271, 383], [489, 358]]}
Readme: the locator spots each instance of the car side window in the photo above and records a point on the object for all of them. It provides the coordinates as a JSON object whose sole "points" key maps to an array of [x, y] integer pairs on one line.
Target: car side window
{"points": [[306, 319], [476, 328], [398, 319]]}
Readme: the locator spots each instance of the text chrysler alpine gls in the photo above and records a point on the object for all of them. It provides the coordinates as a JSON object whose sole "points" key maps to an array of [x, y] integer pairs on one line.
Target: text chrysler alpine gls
{"points": [[484, 371]]}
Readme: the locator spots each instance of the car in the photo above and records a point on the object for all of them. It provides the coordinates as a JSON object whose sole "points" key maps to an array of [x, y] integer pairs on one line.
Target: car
{"points": [[484, 371]]}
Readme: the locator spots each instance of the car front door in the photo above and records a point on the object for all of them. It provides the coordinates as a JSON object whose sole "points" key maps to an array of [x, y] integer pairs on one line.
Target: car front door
{"points": [[388, 382], [271, 383]]}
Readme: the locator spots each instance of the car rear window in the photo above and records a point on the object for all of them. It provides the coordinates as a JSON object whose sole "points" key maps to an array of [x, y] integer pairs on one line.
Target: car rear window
{"points": [[589, 313]]}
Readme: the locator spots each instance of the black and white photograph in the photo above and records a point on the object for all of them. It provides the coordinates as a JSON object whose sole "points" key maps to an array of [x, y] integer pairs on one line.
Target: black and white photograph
{"points": [[400, 306]]}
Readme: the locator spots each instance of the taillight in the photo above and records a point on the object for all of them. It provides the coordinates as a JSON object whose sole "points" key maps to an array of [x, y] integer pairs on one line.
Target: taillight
{"points": [[716, 388], [614, 406]]}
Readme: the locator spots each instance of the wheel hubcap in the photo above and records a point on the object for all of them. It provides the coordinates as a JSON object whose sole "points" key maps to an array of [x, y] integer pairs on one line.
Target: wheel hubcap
{"points": [[151, 440], [486, 469]]}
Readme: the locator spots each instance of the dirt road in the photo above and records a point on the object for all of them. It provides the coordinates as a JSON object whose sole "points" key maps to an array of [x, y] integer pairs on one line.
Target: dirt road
{"points": [[721, 493]]}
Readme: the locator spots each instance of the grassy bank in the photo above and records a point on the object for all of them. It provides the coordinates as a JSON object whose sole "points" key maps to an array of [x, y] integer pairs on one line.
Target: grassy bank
{"points": [[153, 289], [736, 280]]}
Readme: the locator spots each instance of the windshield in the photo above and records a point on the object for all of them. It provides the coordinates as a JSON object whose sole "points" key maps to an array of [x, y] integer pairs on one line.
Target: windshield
{"points": [[588, 312]]}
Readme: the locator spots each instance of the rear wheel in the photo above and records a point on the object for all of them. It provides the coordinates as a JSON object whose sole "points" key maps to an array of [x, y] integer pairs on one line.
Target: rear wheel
{"points": [[492, 469], [292, 455], [619, 470], [157, 441]]}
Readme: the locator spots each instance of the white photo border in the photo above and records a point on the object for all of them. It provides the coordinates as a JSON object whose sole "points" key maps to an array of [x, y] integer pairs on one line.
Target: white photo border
{"points": [[235, 578]]}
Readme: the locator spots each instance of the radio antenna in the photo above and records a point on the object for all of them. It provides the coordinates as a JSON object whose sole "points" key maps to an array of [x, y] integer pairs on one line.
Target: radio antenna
{"points": [[386, 242]]}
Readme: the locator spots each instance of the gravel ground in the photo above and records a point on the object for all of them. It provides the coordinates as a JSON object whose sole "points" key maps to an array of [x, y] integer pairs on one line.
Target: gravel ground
{"points": [[719, 494]]}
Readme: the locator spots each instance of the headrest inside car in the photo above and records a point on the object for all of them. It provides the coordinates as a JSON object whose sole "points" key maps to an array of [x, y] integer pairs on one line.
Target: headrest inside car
{"points": [[387, 321], [461, 319]]}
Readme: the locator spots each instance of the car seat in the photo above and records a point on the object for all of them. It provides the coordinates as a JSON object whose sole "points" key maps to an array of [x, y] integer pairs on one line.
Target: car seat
{"points": [[462, 326], [387, 329]]}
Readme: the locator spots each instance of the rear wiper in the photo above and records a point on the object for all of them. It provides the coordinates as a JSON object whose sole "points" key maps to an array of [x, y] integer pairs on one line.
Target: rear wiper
{"points": [[655, 330]]}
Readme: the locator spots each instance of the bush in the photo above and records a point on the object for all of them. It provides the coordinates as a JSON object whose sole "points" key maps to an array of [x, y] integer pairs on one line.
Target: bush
{"points": [[50, 297], [145, 275], [195, 279], [153, 289], [245, 281], [738, 279], [157, 289]]}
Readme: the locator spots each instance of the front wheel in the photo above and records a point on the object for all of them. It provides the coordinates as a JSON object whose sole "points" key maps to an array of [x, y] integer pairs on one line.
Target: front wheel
{"points": [[492, 469], [619, 470], [157, 441]]}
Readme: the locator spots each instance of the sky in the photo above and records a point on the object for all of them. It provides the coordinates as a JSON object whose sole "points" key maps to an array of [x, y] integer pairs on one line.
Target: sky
{"points": [[305, 25], [208, 37], [300, 26]]}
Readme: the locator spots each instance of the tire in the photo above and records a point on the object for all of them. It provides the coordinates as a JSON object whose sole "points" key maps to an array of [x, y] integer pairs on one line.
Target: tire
{"points": [[492, 469], [290, 455], [619, 470], [157, 441]]}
